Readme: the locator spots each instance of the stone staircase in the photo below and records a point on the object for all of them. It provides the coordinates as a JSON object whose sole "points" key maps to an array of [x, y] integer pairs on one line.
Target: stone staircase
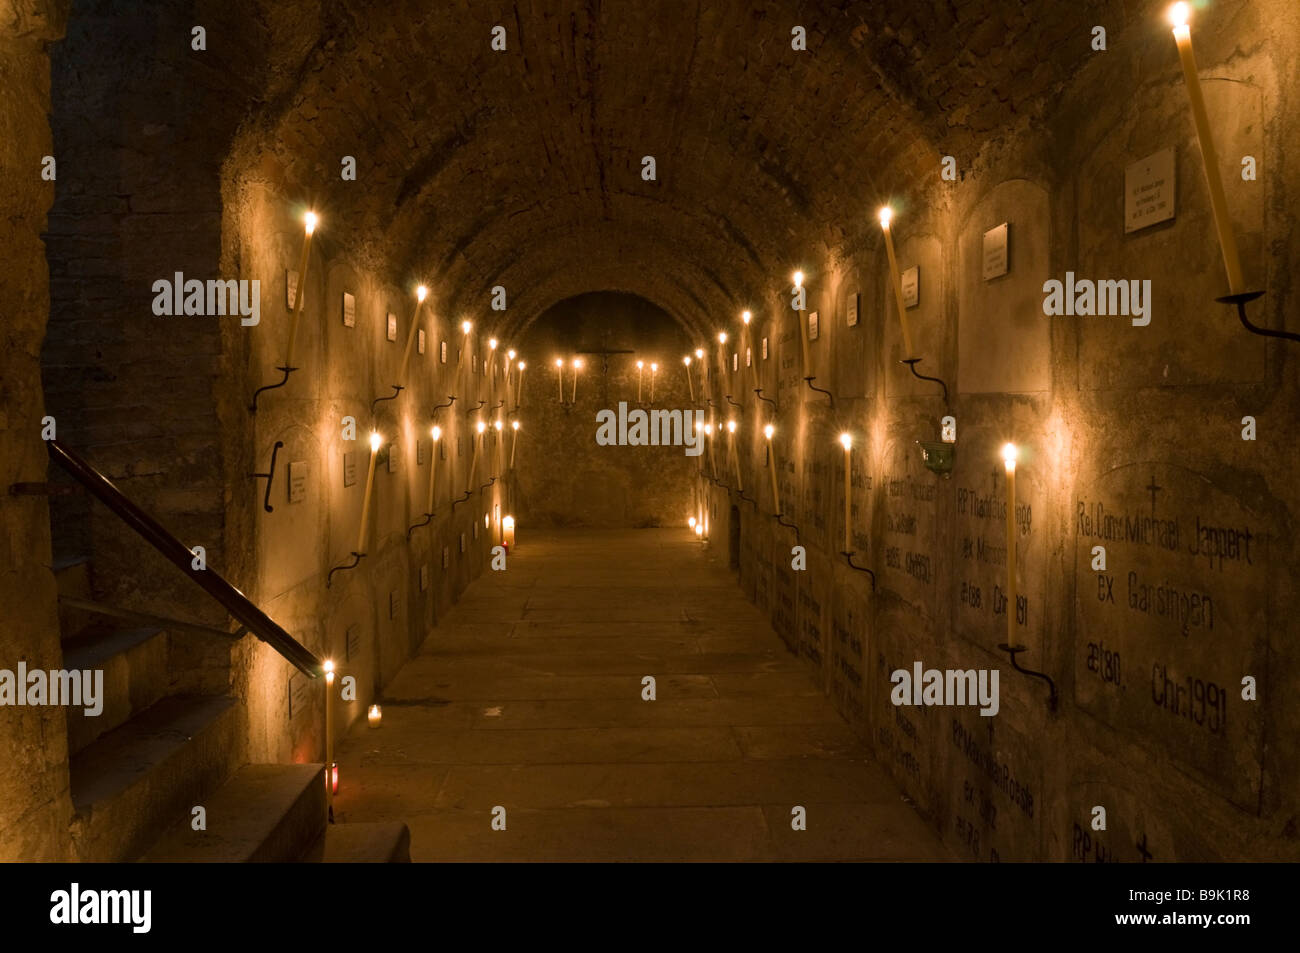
{"points": [[139, 768]]}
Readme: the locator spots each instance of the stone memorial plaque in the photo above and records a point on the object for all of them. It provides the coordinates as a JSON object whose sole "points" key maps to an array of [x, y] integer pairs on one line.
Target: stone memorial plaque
{"points": [[812, 600], [297, 481], [419, 341], [1176, 620], [299, 695], [421, 454], [394, 603], [349, 467], [424, 577], [996, 259], [765, 348], [859, 505], [791, 371], [813, 323], [904, 736], [352, 647], [1150, 191], [749, 357], [442, 351], [911, 280], [852, 317], [462, 542], [910, 499], [996, 813], [392, 326], [290, 288], [848, 643], [349, 311], [735, 361]]}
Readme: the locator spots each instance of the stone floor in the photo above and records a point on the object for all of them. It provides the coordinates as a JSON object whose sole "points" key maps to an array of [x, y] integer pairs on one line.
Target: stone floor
{"points": [[528, 696]]}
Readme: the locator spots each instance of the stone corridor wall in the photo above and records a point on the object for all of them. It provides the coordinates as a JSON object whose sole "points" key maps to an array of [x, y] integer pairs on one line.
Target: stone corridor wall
{"points": [[1131, 437]]}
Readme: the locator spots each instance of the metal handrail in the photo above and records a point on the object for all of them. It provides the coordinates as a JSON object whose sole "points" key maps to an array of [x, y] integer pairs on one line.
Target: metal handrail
{"points": [[234, 601]]}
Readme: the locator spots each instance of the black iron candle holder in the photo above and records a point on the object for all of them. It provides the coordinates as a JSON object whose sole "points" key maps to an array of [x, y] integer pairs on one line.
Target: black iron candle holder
{"points": [[269, 477], [428, 518], [451, 399], [782, 522], [397, 389], [1241, 300], [740, 407], [852, 565], [820, 390], [356, 559], [911, 363], [286, 371], [1014, 650], [456, 503], [759, 392]]}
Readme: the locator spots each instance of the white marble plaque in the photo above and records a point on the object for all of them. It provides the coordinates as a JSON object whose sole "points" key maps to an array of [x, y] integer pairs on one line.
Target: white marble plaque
{"points": [[349, 468], [765, 349], [392, 327], [424, 578], [349, 311], [749, 357], [419, 340], [912, 286], [1149, 191], [996, 261], [812, 325], [442, 351], [852, 317], [297, 481]]}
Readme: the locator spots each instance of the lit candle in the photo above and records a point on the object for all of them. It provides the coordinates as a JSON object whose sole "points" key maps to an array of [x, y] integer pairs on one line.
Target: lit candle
{"points": [[803, 327], [375, 716], [699, 530], [699, 356], [514, 442], [886, 217], [640, 366], [508, 531], [376, 441], [1179, 14], [722, 349], [497, 426], [465, 327], [420, 294], [735, 458], [708, 437], [492, 346], [309, 226], [473, 462], [559, 370], [1009, 454], [329, 728], [746, 345], [654, 369], [689, 383], [771, 466], [519, 385], [577, 366], [436, 433], [510, 360], [847, 441]]}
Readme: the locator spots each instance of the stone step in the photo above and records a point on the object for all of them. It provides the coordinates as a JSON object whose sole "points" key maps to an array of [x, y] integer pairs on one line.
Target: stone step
{"points": [[364, 843], [134, 663], [158, 764], [267, 813], [72, 580]]}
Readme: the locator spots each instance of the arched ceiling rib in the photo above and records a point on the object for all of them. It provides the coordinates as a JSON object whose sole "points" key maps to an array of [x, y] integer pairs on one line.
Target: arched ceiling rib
{"points": [[523, 168]]}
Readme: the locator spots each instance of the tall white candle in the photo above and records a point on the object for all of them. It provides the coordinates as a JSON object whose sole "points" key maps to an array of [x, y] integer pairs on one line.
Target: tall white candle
{"points": [[735, 458], [480, 427], [375, 442], [689, 383], [329, 730], [420, 294], [514, 442], [640, 367], [771, 466], [559, 371], [309, 227], [654, 369], [436, 434], [1009, 454], [519, 385], [1179, 14], [847, 442], [896, 280], [577, 366], [465, 327]]}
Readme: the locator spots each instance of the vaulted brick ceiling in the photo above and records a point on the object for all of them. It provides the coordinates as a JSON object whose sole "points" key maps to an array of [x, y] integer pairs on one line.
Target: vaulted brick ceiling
{"points": [[523, 168]]}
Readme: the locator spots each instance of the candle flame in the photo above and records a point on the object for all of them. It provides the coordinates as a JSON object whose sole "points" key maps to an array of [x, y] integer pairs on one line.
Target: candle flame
{"points": [[886, 216], [699, 352], [687, 360], [654, 368], [376, 441], [746, 316], [640, 365], [722, 337], [846, 441], [465, 326], [1179, 14], [577, 363], [699, 529], [492, 343], [309, 221], [514, 425], [421, 293], [436, 432], [691, 522], [798, 279], [498, 425], [481, 426], [731, 426], [708, 429], [769, 430], [510, 354], [1009, 455], [521, 365], [559, 362], [329, 670]]}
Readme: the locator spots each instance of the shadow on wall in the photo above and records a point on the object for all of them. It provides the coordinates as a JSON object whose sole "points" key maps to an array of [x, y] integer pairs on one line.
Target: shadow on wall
{"points": [[565, 478]]}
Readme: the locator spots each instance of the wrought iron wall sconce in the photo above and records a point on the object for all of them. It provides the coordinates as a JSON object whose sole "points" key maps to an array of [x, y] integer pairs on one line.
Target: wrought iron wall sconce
{"points": [[428, 518], [820, 390], [852, 565], [397, 389], [451, 399], [759, 392], [269, 476], [1241, 300], [1013, 651], [344, 567], [779, 518], [456, 503], [911, 363], [286, 371]]}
